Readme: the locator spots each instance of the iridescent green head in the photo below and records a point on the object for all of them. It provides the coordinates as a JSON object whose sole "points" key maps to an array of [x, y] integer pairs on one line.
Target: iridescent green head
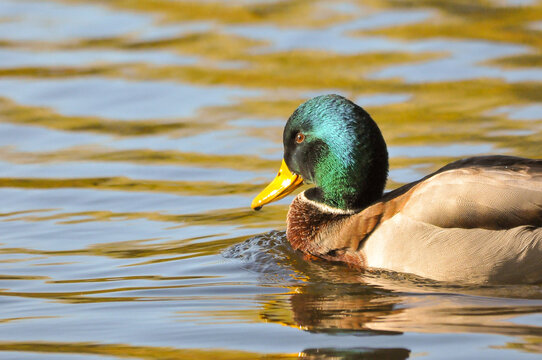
{"points": [[334, 144]]}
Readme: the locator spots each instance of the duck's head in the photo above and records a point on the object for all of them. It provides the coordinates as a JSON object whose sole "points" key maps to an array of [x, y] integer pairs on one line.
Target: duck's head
{"points": [[333, 143]]}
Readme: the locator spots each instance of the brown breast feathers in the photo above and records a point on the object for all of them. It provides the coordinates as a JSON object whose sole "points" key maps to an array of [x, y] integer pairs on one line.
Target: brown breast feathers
{"points": [[333, 234]]}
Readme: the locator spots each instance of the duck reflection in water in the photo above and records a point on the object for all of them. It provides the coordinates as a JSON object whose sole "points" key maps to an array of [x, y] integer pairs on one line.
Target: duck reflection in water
{"points": [[334, 298]]}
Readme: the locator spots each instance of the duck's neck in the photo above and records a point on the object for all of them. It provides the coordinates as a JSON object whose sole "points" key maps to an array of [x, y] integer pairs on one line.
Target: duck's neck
{"points": [[355, 182]]}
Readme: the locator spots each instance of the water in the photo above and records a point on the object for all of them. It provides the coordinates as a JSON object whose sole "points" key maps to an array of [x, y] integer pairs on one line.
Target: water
{"points": [[134, 134]]}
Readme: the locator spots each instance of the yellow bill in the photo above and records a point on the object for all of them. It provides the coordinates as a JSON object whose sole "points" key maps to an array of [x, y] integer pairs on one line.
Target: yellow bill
{"points": [[282, 185]]}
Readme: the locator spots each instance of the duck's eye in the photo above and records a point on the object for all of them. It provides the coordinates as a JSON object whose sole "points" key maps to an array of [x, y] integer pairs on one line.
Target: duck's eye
{"points": [[299, 138]]}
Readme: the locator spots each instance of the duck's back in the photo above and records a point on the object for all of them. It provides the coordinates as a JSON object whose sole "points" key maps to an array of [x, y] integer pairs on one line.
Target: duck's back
{"points": [[475, 220], [494, 192]]}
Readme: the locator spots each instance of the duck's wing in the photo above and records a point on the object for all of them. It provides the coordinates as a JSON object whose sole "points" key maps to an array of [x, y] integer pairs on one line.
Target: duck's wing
{"points": [[493, 192]]}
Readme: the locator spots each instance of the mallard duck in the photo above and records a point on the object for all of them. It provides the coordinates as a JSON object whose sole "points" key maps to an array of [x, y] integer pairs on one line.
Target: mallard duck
{"points": [[476, 220]]}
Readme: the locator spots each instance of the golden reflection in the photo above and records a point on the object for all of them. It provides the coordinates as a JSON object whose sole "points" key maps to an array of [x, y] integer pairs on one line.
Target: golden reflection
{"points": [[293, 70], [130, 278], [134, 352], [23, 277], [36, 116], [530, 344], [211, 45], [55, 72], [519, 61], [273, 217], [190, 247], [286, 12], [207, 188], [110, 295], [471, 20], [155, 352], [139, 156], [8, 320]]}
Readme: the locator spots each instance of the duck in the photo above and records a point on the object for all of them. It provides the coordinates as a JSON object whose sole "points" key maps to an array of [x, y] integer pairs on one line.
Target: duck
{"points": [[477, 220]]}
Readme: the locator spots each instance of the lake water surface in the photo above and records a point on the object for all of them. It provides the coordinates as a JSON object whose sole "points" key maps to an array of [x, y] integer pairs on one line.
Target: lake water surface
{"points": [[134, 134]]}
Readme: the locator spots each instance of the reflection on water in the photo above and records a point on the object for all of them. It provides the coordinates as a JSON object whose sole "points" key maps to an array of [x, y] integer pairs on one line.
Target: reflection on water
{"points": [[133, 135]]}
